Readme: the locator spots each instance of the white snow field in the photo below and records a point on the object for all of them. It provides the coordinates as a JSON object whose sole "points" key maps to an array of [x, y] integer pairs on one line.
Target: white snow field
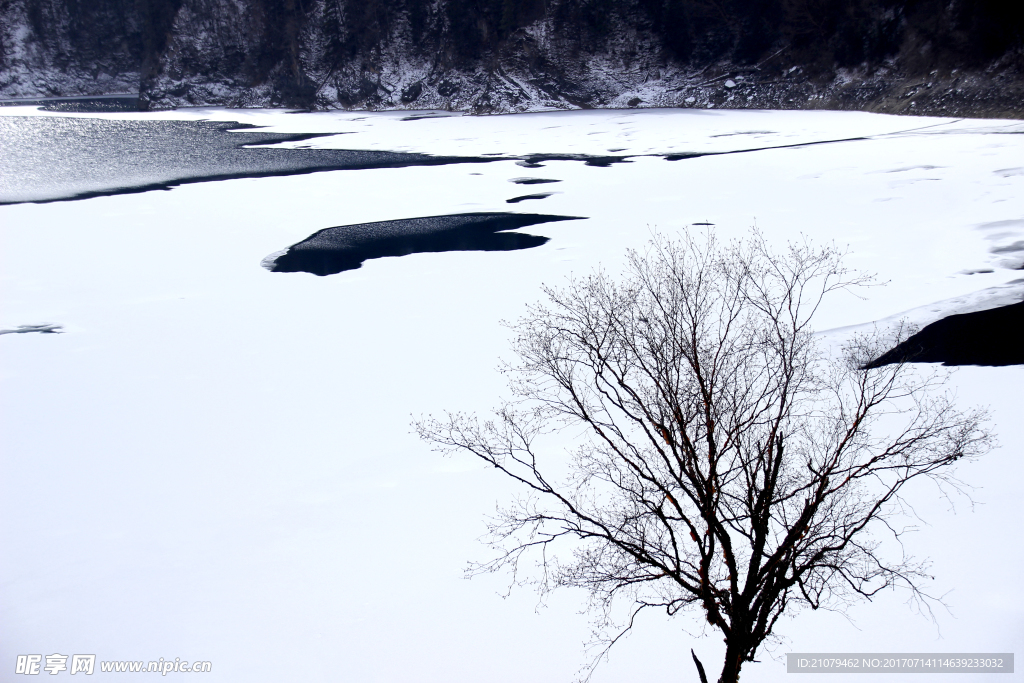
{"points": [[214, 462]]}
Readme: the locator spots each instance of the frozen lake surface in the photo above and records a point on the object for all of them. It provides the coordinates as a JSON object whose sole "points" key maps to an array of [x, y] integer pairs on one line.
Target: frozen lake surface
{"points": [[214, 461]]}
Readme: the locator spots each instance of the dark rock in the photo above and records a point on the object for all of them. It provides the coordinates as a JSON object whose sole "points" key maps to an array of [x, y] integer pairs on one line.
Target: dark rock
{"points": [[412, 93], [447, 88]]}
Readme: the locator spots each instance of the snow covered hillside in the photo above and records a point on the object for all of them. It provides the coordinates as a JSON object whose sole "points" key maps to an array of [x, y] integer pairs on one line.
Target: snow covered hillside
{"points": [[214, 461], [499, 56]]}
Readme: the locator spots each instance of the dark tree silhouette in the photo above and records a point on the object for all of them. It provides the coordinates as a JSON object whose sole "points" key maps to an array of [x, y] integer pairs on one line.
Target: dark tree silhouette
{"points": [[725, 462]]}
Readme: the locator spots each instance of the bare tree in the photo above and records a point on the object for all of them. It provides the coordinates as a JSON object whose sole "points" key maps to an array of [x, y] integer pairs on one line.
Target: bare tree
{"points": [[726, 462]]}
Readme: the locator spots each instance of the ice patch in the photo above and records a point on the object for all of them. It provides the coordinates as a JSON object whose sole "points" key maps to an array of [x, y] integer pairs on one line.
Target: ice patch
{"points": [[270, 261]]}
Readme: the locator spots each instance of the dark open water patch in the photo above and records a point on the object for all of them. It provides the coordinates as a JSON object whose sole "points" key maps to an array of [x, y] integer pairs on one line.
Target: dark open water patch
{"points": [[420, 116], [533, 181], [82, 103], [51, 158], [537, 160], [345, 247], [992, 337], [539, 195], [696, 155], [44, 328]]}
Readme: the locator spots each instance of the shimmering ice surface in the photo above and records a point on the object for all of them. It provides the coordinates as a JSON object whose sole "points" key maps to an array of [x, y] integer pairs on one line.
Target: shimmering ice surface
{"points": [[49, 158]]}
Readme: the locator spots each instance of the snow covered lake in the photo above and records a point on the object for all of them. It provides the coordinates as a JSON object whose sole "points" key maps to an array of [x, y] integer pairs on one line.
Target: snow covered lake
{"points": [[214, 462]]}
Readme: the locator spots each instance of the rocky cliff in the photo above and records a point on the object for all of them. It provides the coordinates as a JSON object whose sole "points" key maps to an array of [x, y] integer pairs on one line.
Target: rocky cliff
{"points": [[964, 57]]}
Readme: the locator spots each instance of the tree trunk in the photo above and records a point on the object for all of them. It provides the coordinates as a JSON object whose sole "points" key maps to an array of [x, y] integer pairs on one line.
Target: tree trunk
{"points": [[733, 661]]}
